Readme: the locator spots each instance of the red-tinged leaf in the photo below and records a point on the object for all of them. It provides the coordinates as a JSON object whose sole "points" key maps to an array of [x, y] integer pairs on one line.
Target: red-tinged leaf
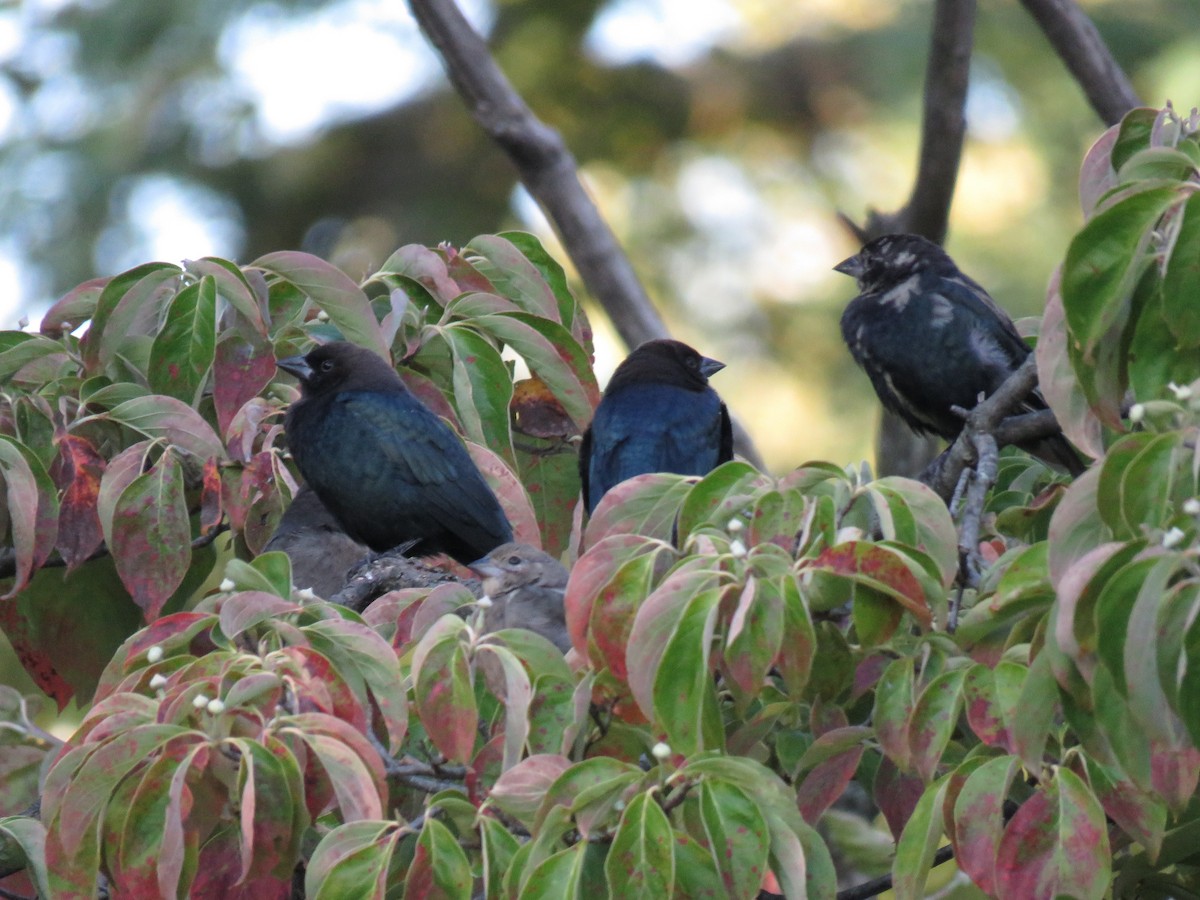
{"points": [[1174, 772], [520, 790], [333, 291], [616, 604], [509, 683], [32, 358], [1056, 844], [896, 794], [242, 611], [570, 312], [895, 700], [319, 685], [912, 514], [641, 862], [509, 491], [268, 807], [182, 353], [423, 266], [512, 275], [217, 869], [352, 861], [351, 764], [719, 496], [880, 569], [755, 635], [150, 536], [160, 417], [76, 471], [233, 286], [827, 780], [1096, 174], [991, 701], [933, 721], [685, 701], [918, 843], [979, 819], [242, 367], [431, 395], [32, 505], [799, 644], [552, 356], [246, 428], [591, 791], [536, 412], [359, 649], [1057, 381], [1076, 526], [1143, 816], [647, 505], [439, 870], [590, 575], [445, 694], [127, 306], [73, 308], [211, 511], [737, 836]]}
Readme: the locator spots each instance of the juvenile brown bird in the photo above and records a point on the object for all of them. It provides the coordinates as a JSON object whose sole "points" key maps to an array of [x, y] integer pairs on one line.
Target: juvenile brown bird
{"points": [[930, 338], [658, 414], [526, 587], [320, 550], [382, 463]]}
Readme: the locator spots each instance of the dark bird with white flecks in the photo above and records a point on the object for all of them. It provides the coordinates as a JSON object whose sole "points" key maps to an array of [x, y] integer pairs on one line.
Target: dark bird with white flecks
{"points": [[930, 338]]}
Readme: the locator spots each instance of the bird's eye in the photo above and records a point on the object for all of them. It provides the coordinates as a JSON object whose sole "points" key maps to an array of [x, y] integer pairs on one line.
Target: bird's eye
{"points": [[327, 365], [514, 560]]}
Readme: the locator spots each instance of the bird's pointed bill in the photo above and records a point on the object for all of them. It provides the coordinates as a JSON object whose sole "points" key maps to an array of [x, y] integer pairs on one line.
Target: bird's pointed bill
{"points": [[295, 365], [710, 367], [851, 266]]}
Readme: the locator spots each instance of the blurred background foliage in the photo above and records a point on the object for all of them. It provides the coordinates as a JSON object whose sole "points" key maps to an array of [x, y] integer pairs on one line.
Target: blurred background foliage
{"points": [[719, 137]]}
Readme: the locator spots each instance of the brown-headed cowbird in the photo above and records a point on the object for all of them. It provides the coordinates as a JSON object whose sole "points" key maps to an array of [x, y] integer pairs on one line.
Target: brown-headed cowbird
{"points": [[321, 552], [658, 414], [526, 587], [385, 466], [931, 338]]}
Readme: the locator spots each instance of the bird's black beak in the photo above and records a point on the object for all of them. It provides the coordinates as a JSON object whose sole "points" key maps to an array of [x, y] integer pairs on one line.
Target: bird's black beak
{"points": [[485, 568], [296, 365], [709, 367], [851, 266]]}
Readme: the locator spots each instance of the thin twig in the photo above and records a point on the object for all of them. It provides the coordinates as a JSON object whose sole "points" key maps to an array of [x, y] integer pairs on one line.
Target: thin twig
{"points": [[8, 556], [1077, 42], [877, 886]]}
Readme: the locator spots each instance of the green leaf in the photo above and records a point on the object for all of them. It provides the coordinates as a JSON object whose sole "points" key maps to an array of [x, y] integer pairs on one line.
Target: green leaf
{"points": [[641, 861], [647, 505], [520, 790], [513, 276], [736, 834], [351, 861], [1104, 265], [157, 416], [445, 695], [722, 494], [894, 702], [127, 307], [685, 702], [1180, 309], [32, 505], [880, 569], [979, 819], [183, 351], [911, 513], [482, 389], [1156, 357], [440, 870], [1133, 135], [333, 291], [570, 313], [1135, 482], [918, 843], [29, 835], [933, 721]]}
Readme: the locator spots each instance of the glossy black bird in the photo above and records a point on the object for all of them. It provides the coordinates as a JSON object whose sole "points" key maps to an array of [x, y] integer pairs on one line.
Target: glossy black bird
{"points": [[526, 587], [931, 338], [385, 466], [658, 414], [320, 550]]}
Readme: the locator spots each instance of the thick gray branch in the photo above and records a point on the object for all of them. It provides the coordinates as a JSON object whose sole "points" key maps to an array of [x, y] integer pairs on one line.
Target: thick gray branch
{"points": [[546, 167], [1076, 40]]}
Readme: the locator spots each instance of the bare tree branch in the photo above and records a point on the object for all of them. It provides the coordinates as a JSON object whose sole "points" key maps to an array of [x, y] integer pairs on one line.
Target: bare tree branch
{"points": [[1079, 45], [546, 166]]}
